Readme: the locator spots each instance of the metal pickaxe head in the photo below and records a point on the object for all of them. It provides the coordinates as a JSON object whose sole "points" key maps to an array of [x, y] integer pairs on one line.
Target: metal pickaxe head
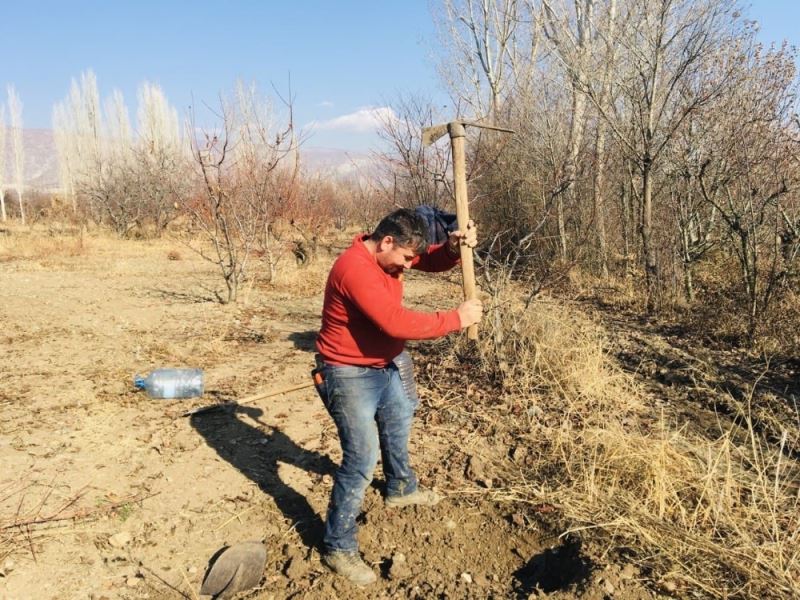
{"points": [[433, 133]]}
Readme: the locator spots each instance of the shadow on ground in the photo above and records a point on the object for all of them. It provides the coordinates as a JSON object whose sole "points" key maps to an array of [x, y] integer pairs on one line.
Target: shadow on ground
{"points": [[184, 297], [256, 453], [304, 340], [555, 569]]}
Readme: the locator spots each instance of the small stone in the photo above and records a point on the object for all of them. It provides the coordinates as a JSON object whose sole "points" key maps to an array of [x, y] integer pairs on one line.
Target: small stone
{"points": [[296, 569], [399, 567], [670, 586], [132, 581], [628, 572], [608, 586], [120, 540], [192, 570], [477, 471], [534, 411], [126, 572], [450, 524], [519, 453], [8, 566], [466, 578]]}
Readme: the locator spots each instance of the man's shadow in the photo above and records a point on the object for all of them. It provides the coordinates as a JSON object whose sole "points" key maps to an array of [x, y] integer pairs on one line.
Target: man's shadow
{"points": [[304, 340], [257, 454]]}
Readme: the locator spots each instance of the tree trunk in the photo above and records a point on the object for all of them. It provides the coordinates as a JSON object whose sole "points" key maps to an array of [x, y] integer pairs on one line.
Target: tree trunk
{"points": [[562, 232], [571, 163], [21, 205], [688, 275], [599, 200], [646, 230], [624, 198]]}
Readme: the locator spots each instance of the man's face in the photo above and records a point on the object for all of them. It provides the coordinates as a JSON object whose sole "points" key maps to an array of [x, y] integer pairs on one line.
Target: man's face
{"points": [[392, 257]]}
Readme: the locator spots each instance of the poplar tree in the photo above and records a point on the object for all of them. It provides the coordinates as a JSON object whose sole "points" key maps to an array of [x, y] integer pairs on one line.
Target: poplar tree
{"points": [[15, 108], [119, 132], [64, 138], [77, 129], [2, 162]]}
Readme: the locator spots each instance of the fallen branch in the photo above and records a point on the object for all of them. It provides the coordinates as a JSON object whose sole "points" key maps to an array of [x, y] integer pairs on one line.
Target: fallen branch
{"points": [[77, 515]]}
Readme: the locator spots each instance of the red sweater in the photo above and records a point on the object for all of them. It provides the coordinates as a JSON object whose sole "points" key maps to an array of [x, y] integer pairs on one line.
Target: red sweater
{"points": [[364, 322]]}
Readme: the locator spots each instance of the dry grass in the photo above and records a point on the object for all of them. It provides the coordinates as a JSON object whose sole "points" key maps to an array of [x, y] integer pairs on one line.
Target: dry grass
{"points": [[303, 280], [716, 516], [18, 244]]}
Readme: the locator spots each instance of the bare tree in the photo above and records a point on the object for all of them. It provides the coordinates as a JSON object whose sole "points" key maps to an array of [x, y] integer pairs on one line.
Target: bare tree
{"points": [[570, 35], [413, 175], [63, 138], [608, 48], [240, 192], [158, 128], [119, 132], [746, 172], [130, 182], [158, 155], [665, 45], [490, 54], [18, 149], [77, 126]]}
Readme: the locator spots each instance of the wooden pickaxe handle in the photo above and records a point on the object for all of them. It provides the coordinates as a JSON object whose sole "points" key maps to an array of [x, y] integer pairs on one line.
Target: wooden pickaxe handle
{"points": [[277, 392], [457, 138], [249, 399]]}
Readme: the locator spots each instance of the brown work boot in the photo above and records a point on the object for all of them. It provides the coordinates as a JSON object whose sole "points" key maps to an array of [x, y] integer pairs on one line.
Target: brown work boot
{"points": [[419, 497], [350, 566]]}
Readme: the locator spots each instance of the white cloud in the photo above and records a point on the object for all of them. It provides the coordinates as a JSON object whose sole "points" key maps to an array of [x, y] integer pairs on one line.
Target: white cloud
{"points": [[326, 104], [364, 120]]}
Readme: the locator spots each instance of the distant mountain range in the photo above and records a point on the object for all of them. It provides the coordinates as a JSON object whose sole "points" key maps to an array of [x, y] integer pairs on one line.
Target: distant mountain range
{"points": [[41, 161]]}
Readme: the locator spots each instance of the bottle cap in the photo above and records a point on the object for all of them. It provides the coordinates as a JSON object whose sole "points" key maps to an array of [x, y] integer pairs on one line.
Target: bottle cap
{"points": [[138, 382]]}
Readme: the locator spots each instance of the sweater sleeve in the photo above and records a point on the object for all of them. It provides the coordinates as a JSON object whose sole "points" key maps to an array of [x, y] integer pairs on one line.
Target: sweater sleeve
{"points": [[371, 295], [436, 259]]}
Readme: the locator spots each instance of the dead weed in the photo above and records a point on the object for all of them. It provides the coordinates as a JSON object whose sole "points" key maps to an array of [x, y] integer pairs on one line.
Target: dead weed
{"points": [[711, 515]]}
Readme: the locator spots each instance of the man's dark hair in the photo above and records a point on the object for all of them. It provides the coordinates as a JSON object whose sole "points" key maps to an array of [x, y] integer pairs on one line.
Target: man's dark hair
{"points": [[406, 227]]}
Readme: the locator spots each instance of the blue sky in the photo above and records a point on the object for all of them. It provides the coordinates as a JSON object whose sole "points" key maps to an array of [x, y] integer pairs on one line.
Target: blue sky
{"points": [[343, 56]]}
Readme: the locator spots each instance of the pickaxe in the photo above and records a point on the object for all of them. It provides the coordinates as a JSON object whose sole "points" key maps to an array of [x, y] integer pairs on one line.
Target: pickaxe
{"points": [[457, 135]]}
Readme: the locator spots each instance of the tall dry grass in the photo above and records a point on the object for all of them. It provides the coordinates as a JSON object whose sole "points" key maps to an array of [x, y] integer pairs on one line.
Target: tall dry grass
{"points": [[18, 243], [718, 515]]}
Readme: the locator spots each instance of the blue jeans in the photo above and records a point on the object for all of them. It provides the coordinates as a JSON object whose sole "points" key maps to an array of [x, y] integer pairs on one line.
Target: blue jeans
{"points": [[372, 412]]}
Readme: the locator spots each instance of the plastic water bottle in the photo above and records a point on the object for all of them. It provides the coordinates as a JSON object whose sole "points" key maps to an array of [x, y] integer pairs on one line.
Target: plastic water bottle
{"points": [[171, 383], [405, 366]]}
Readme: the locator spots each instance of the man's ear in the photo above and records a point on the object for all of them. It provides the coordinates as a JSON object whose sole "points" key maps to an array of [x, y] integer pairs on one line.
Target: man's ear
{"points": [[387, 243]]}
